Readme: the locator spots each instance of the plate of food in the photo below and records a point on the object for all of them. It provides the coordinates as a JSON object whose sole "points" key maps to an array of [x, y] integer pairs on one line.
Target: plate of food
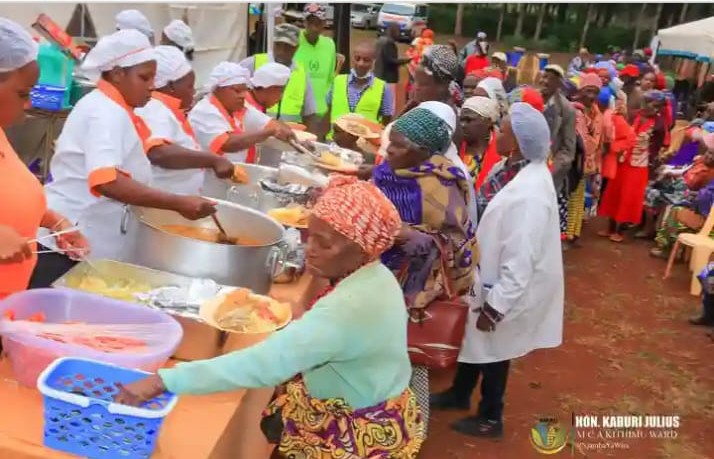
{"points": [[242, 311], [296, 126], [304, 136], [359, 126], [293, 216], [329, 161]]}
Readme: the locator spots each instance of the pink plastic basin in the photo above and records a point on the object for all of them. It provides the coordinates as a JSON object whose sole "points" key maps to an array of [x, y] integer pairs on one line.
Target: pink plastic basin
{"points": [[30, 354]]}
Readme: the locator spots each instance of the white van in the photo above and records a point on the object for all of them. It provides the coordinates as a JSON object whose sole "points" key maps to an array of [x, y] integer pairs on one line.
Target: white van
{"points": [[411, 18]]}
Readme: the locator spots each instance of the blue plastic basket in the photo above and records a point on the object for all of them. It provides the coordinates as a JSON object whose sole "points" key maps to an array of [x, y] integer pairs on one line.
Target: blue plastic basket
{"points": [[48, 97], [82, 419]]}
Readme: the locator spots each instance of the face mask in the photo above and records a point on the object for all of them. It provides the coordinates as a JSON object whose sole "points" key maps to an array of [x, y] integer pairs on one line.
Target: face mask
{"points": [[366, 77]]}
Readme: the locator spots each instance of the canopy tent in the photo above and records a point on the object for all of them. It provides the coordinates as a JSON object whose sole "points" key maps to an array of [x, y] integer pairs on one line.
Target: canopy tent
{"points": [[219, 29], [694, 40]]}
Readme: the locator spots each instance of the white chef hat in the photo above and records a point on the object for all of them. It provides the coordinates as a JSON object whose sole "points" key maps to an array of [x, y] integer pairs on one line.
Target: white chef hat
{"points": [[228, 74], [180, 33], [171, 65], [270, 74], [133, 19], [123, 48], [17, 48]]}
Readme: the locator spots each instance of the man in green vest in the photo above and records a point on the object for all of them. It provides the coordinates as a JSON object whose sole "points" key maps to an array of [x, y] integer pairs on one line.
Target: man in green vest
{"points": [[317, 53], [298, 101], [360, 92]]}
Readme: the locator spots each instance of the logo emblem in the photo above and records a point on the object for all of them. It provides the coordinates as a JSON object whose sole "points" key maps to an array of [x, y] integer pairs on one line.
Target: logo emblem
{"points": [[549, 436], [314, 66]]}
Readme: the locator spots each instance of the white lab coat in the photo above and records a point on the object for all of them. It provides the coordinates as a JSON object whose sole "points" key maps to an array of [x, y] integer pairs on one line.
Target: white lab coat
{"points": [[521, 270]]}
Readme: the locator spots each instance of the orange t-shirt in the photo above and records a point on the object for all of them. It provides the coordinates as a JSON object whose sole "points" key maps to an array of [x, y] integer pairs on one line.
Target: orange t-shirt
{"points": [[22, 208]]}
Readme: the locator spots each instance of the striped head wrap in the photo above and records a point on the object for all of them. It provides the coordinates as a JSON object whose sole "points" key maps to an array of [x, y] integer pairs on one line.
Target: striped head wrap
{"points": [[360, 212], [483, 106], [425, 129], [528, 95]]}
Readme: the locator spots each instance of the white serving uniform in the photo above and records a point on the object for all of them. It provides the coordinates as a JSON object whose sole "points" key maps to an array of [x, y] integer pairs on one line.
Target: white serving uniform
{"points": [[211, 121], [99, 140], [161, 114], [521, 270]]}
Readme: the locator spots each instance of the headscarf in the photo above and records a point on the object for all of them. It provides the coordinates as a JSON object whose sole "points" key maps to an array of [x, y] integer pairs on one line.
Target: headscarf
{"points": [[180, 33], [134, 19], [427, 33], [605, 95], [529, 95], [531, 131], [443, 111], [660, 81], [270, 74], [17, 48], [425, 129], [171, 65], [359, 211], [494, 89], [607, 66], [483, 106], [630, 70], [589, 80], [228, 74], [123, 48], [440, 62]]}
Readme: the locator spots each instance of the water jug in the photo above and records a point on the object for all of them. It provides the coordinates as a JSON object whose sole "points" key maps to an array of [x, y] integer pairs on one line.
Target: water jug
{"points": [[55, 69]]}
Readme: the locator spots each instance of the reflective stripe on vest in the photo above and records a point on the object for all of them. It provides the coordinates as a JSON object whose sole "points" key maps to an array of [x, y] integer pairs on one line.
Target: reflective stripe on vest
{"points": [[294, 94], [368, 105]]}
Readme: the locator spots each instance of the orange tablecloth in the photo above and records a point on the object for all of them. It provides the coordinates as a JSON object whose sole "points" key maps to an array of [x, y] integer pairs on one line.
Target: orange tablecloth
{"points": [[190, 432]]}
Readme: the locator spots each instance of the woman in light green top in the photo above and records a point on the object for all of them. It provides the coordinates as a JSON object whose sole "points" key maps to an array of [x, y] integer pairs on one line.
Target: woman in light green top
{"points": [[345, 361]]}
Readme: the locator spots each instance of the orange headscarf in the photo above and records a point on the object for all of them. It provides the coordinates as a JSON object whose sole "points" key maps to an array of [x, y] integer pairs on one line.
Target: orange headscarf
{"points": [[359, 211]]}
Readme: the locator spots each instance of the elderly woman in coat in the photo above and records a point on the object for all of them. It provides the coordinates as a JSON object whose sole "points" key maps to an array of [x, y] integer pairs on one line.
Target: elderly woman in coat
{"points": [[522, 278]]}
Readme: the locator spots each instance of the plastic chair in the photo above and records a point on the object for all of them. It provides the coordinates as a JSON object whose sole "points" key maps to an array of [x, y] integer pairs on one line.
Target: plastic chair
{"points": [[702, 247]]}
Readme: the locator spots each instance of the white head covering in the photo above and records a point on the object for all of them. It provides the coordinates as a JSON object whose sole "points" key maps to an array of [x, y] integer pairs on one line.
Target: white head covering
{"points": [[270, 74], [228, 74], [484, 106], [133, 19], [17, 48], [171, 65], [494, 88], [180, 33], [123, 48], [531, 131], [443, 111]]}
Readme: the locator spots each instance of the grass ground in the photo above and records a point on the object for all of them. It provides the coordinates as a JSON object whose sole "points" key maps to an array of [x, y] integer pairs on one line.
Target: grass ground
{"points": [[627, 350]]}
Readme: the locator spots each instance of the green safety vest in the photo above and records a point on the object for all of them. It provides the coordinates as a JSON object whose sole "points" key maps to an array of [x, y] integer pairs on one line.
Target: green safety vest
{"points": [[290, 106], [368, 105]]}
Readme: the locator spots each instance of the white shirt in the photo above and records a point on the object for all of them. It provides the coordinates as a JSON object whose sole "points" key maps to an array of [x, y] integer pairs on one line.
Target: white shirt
{"points": [[521, 269], [211, 125], [164, 125], [97, 140]]}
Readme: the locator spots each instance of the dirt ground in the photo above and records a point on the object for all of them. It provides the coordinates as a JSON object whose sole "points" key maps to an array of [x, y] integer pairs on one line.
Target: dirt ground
{"points": [[627, 350]]}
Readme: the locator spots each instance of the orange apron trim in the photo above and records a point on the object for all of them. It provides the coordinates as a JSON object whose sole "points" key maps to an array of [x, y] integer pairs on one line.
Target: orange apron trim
{"points": [[219, 141], [174, 104], [102, 176], [142, 129]]}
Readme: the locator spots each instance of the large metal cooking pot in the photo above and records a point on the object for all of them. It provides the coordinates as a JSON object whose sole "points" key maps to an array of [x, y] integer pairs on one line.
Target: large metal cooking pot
{"points": [[252, 266], [249, 194]]}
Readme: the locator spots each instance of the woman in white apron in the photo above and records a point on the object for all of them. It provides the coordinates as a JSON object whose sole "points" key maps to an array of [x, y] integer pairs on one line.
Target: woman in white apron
{"points": [[178, 163], [225, 124], [522, 277], [100, 164]]}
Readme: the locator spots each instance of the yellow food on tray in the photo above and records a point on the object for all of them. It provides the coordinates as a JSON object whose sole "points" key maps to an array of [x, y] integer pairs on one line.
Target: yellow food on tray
{"points": [[240, 175], [291, 216], [124, 289], [242, 311], [330, 159]]}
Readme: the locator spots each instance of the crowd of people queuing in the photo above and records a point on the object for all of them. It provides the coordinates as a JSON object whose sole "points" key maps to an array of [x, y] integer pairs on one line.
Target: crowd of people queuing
{"points": [[469, 198]]}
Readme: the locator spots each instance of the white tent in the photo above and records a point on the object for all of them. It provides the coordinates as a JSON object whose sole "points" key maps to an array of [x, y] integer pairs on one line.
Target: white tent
{"points": [[693, 39], [219, 29]]}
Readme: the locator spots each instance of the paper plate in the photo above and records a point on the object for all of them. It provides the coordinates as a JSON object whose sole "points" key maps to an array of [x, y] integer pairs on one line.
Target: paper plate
{"points": [[342, 169], [304, 136], [209, 307]]}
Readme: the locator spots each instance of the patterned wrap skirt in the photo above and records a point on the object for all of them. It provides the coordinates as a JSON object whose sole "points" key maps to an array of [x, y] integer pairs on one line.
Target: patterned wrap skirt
{"points": [[326, 429]]}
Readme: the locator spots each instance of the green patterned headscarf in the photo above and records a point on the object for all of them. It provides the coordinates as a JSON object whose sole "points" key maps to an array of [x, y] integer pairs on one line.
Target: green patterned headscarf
{"points": [[425, 129]]}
